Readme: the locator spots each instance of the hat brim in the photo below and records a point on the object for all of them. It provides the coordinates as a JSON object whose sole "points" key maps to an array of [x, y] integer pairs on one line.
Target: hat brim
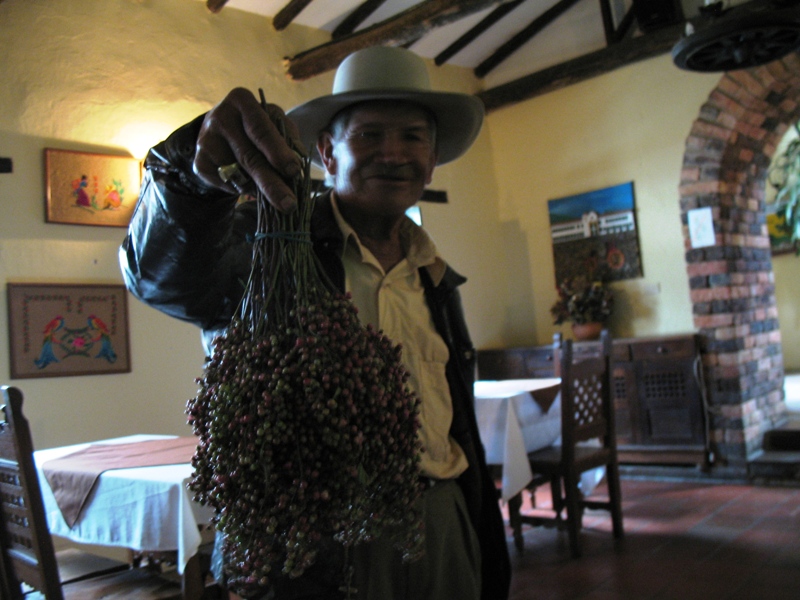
{"points": [[458, 117]]}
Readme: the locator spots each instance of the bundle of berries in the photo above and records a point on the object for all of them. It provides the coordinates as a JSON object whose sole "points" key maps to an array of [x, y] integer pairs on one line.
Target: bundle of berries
{"points": [[307, 429]]}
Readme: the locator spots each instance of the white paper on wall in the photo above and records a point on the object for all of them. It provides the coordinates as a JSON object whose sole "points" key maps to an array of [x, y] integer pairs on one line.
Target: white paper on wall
{"points": [[701, 227]]}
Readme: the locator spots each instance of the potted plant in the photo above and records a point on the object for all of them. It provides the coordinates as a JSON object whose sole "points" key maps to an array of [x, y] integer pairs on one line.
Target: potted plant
{"points": [[585, 301], [784, 176]]}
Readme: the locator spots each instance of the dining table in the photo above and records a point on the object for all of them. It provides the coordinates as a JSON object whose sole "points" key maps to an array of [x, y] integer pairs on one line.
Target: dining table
{"points": [[516, 417], [122, 493]]}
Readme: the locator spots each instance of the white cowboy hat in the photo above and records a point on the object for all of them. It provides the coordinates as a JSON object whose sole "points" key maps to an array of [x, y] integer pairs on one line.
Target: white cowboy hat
{"points": [[386, 73]]}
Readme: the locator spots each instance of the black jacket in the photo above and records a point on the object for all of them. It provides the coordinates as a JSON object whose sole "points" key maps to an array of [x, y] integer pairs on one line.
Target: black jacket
{"points": [[187, 254]]}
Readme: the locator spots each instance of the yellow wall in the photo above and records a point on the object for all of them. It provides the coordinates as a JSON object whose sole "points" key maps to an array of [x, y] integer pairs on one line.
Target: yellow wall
{"points": [[118, 75], [629, 125], [786, 268]]}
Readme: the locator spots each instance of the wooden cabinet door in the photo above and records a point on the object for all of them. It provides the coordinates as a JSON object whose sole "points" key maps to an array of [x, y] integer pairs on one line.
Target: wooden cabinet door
{"points": [[671, 407]]}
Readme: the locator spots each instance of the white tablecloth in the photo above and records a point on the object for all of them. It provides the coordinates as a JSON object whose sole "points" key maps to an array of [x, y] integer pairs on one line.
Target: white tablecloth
{"points": [[512, 424], [146, 508]]}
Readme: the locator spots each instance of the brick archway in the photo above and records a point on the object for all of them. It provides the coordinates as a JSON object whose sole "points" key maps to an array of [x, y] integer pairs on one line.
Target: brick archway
{"points": [[728, 153]]}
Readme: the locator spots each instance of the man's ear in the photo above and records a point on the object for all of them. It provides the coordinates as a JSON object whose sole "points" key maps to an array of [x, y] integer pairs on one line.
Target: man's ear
{"points": [[325, 149]]}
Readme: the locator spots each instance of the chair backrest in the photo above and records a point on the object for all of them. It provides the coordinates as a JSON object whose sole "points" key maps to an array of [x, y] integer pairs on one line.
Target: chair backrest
{"points": [[27, 549], [587, 410]]}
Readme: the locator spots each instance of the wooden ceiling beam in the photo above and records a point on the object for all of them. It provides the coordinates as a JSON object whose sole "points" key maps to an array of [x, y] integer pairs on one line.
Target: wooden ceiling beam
{"points": [[215, 5], [356, 18], [608, 21], [473, 34], [404, 27], [625, 28], [516, 42], [407, 45], [616, 33], [288, 13], [585, 67]]}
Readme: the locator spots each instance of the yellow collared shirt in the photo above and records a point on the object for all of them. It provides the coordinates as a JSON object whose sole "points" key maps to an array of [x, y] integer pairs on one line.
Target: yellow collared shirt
{"points": [[394, 302]]}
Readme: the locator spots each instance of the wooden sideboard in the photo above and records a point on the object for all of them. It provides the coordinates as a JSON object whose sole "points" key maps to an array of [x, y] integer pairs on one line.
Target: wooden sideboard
{"points": [[658, 393]]}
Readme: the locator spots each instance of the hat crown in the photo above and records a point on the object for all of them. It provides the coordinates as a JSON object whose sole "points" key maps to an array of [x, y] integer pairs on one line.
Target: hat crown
{"points": [[381, 67], [397, 75]]}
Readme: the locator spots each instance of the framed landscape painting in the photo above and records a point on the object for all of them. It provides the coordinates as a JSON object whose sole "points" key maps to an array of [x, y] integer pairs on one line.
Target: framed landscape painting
{"points": [[594, 235], [91, 189], [61, 330]]}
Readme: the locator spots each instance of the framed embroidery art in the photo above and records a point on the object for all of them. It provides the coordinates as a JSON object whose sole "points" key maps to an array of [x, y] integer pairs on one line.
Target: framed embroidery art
{"points": [[91, 189], [61, 330]]}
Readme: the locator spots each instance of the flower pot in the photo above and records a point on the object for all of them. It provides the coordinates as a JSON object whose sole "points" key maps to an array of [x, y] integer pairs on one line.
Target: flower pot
{"points": [[586, 331]]}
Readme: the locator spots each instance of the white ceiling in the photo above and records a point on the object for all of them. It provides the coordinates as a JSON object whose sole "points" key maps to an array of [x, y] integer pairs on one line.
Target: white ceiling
{"points": [[575, 33], [578, 31]]}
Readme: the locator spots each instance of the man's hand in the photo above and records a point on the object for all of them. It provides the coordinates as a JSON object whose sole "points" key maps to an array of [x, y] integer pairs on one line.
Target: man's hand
{"points": [[239, 130]]}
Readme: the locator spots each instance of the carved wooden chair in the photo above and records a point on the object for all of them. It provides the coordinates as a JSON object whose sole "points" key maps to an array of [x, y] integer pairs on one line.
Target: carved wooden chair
{"points": [[28, 561], [587, 415]]}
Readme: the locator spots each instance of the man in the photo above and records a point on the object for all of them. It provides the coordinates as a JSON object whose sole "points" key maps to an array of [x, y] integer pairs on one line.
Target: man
{"points": [[379, 136]]}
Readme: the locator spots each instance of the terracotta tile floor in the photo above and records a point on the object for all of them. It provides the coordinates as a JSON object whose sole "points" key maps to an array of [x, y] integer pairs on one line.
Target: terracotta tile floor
{"points": [[683, 541]]}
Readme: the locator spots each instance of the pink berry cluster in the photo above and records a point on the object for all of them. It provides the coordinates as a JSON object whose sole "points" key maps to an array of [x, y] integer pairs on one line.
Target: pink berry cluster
{"points": [[306, 426]]}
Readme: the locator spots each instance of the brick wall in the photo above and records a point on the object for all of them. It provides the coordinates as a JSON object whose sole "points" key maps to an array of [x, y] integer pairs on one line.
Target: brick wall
{"points": [[728, 153]]}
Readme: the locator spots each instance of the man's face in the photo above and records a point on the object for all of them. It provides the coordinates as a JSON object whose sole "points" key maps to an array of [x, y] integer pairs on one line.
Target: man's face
{"points": [[382, 157]]}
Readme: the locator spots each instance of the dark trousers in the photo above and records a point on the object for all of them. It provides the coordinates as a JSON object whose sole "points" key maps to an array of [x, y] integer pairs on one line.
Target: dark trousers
{"points": [[449, 569]]}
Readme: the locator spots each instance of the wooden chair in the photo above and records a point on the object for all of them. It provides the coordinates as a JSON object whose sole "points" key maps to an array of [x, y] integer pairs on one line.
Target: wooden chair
{"points": [[28, 558], [587, 415]]}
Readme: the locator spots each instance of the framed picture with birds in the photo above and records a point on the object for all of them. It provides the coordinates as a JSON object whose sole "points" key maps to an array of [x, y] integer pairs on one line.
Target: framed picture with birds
{"points": [[61, 330]]}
